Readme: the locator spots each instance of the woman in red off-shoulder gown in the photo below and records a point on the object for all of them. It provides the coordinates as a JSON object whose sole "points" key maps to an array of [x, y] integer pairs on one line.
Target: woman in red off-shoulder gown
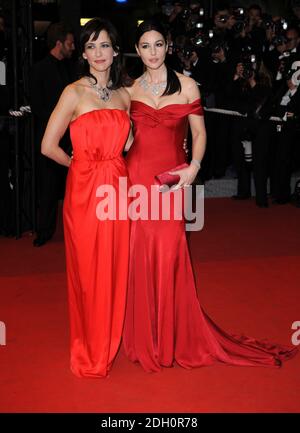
{"points": [[164, 321]]}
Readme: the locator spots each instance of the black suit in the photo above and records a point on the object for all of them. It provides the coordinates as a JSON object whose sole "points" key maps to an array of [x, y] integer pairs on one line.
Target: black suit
{"points": [[284, 143], [49, 77], [247, 100]]}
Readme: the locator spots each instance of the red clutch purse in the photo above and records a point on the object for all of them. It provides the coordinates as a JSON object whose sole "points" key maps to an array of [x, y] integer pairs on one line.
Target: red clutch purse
{"points": [[170, 179]]}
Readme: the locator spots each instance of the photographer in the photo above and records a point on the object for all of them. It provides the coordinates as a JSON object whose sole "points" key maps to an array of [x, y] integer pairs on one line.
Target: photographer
{"points": [[221, 69], [276, 52], [293, 44], [284, 136], [223, 21], [48, 79], [250, 88], [296, 13], [177, 19], [218, 77], [256, 28], [7, 220], [195, 65]]}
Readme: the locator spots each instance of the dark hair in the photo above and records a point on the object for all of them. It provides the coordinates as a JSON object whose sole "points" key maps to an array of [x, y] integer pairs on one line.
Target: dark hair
{"points": [[94, 27], [255, 7], [173, 83], [57, 32], [220, 7]]}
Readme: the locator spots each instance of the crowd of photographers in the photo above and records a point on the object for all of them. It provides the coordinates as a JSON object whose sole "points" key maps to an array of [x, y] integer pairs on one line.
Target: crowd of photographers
{"points": [[247, 65], [244, 61]]}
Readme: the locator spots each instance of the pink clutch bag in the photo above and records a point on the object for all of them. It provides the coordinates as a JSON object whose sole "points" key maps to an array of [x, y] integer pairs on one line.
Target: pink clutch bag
{"points": [[170, 179]]}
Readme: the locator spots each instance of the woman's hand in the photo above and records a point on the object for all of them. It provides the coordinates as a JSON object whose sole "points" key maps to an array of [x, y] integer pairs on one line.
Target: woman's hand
{"points": [[187, 176], [239, 71]]}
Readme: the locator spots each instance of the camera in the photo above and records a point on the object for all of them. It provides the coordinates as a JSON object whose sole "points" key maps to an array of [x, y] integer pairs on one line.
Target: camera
{"points": [[279, 40], [248, 70], [199, 25], [240, 25], [238, 12], [185, 14], [201, 40], [223, 18], [187, 51], [241, 21], [280, 26], [267, 22], [248, 61]]}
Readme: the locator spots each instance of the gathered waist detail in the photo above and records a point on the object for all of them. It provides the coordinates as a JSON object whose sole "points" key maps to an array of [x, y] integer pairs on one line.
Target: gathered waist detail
{"points": [[120, 157]]}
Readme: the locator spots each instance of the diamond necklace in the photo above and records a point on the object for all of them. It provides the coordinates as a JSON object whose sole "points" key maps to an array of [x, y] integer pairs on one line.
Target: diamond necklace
{"points": [[155, 89], [104, 93]]}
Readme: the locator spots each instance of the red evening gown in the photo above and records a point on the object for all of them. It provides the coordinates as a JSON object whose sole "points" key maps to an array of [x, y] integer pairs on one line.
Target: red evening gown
{"points": [[97, 251], [164, 321]]}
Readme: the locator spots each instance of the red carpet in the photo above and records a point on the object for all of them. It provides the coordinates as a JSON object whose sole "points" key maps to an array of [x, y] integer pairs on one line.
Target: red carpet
{"points": [[247, 264]]}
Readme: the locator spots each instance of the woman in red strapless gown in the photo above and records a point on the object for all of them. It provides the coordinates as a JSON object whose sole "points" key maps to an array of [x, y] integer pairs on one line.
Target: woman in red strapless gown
{"points": [[97, 250], [164, 321]]}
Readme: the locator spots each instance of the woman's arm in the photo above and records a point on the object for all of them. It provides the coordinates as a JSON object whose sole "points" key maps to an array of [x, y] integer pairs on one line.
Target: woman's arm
{"points": [[129, 140], [188, 175], [57, 126], [197, 125]]}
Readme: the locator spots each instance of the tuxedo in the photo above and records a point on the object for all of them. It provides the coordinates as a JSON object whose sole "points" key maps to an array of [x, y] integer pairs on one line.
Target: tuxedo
{"points": [[283, 138], [49, 77]]}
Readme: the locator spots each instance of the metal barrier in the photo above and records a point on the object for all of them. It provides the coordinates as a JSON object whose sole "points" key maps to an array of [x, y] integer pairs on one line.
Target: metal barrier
{"points": [[237, 114]]}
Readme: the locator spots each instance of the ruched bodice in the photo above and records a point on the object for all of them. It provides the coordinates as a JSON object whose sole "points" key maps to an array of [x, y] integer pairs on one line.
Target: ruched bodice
{"points": [[158, 138], [99, 134]]}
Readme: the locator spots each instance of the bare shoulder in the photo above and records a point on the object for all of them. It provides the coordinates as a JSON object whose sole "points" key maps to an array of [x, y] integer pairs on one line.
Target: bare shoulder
{"points": [[78, 87], [130, 89], [69, 98], [125, 95], [189, 87], [73, 90]]}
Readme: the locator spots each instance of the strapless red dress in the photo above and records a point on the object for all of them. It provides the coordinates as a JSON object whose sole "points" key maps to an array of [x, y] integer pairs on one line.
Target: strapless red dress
{"points": [[96, 251], [164, 321]]}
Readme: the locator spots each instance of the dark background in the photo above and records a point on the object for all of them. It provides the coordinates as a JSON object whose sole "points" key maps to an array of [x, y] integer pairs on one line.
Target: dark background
{"points": [[123, 15]]}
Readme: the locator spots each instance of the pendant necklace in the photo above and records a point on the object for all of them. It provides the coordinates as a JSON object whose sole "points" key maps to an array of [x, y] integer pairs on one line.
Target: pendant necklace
{"points": [[104, 93], [156, 89]]}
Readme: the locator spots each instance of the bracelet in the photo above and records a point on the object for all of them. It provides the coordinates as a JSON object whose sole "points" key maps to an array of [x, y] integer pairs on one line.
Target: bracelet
{"points": [[196, 163]]}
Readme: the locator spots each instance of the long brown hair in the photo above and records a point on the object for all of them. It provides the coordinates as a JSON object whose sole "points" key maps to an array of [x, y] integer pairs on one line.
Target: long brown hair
{"points": [[94, 27], [173, 83]]}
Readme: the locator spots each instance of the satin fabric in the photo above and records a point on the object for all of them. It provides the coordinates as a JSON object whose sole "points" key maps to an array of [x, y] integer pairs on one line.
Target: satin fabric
{"points": [[96, 251], [164, 321]]}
